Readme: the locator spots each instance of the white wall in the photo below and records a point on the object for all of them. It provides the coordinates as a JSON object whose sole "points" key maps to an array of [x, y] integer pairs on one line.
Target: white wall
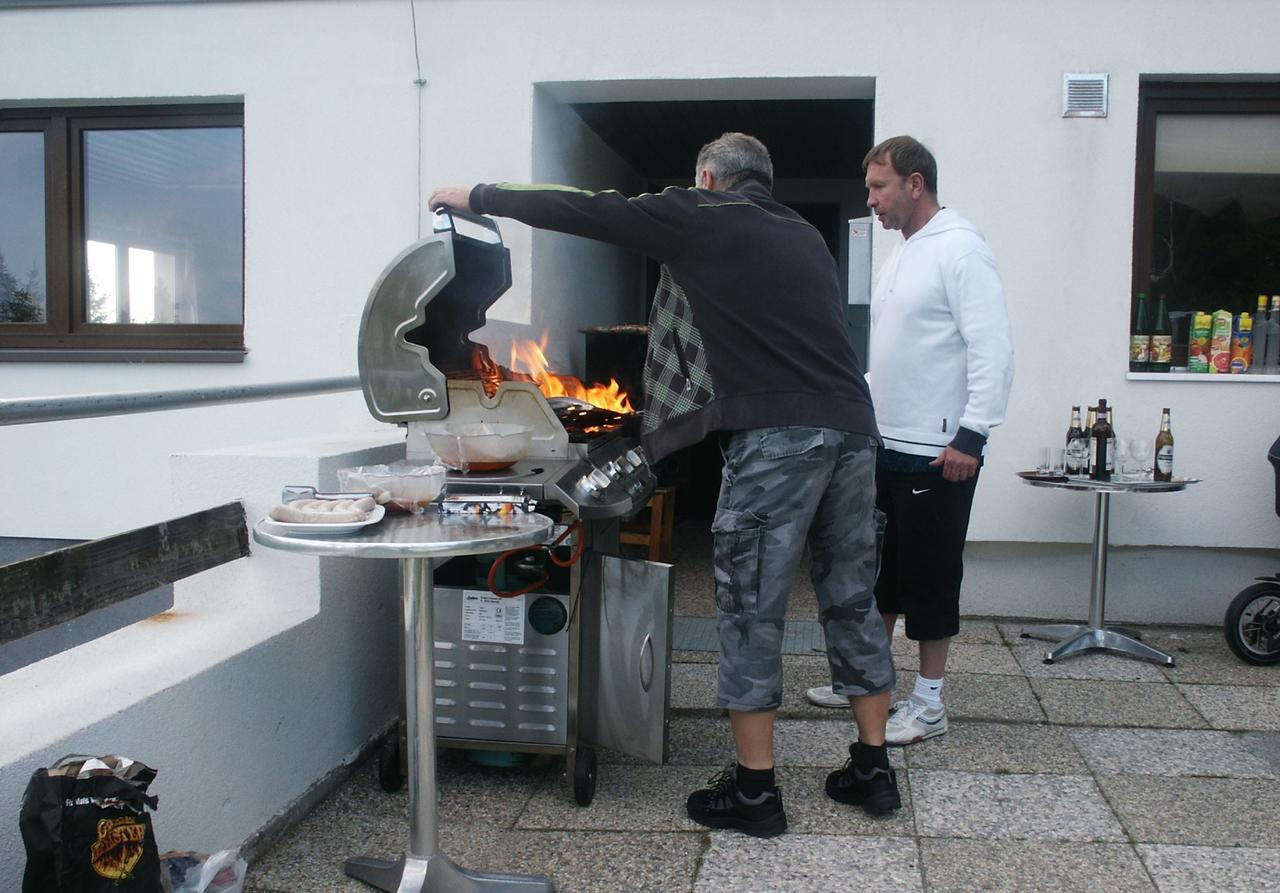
{"points": [[332, 172]]}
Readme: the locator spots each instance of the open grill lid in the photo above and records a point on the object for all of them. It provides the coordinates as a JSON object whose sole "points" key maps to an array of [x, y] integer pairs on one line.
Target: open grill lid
{"points": [[414, 332]]}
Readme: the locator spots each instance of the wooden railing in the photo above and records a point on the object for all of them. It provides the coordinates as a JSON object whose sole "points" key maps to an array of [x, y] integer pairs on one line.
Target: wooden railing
{"points": [[53, 588]]}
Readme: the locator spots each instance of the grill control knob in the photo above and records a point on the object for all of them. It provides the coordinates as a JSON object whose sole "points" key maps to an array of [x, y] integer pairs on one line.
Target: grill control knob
{"points": [[632, 459], [613, 470], [595, 482]]}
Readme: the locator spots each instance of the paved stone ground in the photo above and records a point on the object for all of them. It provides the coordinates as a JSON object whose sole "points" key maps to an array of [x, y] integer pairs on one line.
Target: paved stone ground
{"points": [[1100, 773]]}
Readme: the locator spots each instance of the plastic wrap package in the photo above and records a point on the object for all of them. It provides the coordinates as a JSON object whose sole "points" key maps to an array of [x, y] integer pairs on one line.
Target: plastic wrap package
{"points": [[220, 872], [401, 487]]}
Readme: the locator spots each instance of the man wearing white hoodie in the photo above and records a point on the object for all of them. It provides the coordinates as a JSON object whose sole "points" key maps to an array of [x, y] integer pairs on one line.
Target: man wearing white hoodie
{"points": [[940, 369]]}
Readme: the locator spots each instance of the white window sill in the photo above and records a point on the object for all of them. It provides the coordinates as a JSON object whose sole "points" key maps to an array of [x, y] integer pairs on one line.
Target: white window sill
{"points": [[1198, 376]]}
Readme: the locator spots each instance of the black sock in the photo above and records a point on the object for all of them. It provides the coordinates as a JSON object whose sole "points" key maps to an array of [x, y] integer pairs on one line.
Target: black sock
{"points": [[754, 782], [867, 757]]}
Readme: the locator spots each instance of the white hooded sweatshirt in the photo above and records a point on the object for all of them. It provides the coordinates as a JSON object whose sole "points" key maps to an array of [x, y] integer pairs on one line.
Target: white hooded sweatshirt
{"points": [[941, 355]]}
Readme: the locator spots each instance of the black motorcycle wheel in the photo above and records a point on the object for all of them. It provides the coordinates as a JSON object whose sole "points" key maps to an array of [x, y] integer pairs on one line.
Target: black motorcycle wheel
{"points": [[1252, 624]]}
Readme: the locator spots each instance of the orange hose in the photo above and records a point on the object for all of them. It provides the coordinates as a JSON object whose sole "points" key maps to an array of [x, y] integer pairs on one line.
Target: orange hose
{"points": [[550, 550]]}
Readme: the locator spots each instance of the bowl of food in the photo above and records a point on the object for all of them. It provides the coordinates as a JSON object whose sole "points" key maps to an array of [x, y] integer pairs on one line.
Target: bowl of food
{"points": [[401, 487], [481, 446]]}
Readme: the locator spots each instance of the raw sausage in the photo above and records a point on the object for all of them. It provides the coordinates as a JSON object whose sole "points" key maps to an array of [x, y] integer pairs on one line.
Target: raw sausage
{"points": [[324, 511]]}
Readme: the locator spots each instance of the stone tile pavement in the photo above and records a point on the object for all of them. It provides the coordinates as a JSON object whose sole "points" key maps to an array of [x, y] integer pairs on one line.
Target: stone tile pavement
{"points": [[1100, 773]]}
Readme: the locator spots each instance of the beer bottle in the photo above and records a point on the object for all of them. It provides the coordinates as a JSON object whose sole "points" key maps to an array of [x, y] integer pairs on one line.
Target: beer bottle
{"points": [[1100, 469], [1140, 340], [1161, 356], [1111, 438], [1164, 449], [1077, 444], [1271, 362], [1088, 440]]}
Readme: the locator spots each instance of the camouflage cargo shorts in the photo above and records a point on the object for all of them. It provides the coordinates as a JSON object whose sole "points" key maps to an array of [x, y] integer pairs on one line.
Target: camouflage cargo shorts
{"points": [[781, 488]]}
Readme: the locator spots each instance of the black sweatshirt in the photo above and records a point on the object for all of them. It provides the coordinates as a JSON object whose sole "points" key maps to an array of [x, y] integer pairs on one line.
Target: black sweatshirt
{"points": [[747, 328]]}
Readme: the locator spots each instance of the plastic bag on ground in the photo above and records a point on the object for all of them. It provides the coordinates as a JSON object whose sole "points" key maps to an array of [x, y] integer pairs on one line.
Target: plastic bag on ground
{"points": [[220, 872]]}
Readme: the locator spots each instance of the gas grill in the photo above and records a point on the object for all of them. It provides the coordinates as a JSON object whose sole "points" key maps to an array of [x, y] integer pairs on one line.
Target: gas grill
{"points": [[586, 661]]}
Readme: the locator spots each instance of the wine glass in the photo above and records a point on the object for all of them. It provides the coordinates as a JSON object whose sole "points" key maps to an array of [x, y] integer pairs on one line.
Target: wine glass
{"points": [[1140, 451], [1122, 460]]}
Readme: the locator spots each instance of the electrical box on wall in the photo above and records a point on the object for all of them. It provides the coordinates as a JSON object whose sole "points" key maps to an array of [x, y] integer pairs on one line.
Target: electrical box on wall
{"points": [[858, 310]]}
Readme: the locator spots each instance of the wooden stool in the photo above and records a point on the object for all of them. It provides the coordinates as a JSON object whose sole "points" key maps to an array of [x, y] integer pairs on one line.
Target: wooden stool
{"points": [[654, 532]]}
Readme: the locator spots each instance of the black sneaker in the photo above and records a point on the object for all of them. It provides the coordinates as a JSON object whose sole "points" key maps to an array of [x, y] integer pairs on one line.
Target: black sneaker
{"points": [[722, 806], [875, 790]]}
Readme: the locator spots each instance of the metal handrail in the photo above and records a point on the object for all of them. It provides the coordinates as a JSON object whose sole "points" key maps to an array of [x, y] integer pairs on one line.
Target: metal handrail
{"points": [[28, 410]]}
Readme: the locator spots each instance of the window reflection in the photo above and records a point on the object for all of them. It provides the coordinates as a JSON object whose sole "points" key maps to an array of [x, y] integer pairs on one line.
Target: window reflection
{"points": [[130, 285], [22, 228], [163, 213]]}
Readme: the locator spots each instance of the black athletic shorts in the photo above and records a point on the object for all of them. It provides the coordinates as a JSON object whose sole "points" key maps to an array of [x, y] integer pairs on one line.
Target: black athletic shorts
{"points": [[922, 562]]}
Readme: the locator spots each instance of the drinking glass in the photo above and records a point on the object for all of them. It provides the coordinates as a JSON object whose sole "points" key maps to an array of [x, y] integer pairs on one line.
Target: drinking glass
{"points": [[1121, 461], [1057, 460], [1140, 453], [1077, 455], [1044, 457]]}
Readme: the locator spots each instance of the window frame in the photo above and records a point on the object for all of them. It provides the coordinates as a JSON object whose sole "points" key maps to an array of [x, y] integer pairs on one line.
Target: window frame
{"points": [[1179, 97], [66, 330]]}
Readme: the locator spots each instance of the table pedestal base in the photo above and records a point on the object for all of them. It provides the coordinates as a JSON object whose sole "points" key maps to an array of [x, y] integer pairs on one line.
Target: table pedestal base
{"points": [[1073, 639], [437, 874]]}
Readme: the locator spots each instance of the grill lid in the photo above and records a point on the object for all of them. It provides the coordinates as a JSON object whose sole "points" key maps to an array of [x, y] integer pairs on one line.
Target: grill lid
{"points": [[414, 332]]}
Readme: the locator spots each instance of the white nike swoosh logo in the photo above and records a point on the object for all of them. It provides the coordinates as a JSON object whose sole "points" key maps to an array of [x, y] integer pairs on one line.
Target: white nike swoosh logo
{"points": [[915, 492]]}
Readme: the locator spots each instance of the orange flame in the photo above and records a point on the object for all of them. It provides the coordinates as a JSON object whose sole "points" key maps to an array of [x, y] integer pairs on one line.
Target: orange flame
{"points": [[529, 363], [530, 357]]}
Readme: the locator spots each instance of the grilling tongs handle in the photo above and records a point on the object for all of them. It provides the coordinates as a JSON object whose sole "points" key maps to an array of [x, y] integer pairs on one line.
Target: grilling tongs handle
{"points": [[470, 216]]}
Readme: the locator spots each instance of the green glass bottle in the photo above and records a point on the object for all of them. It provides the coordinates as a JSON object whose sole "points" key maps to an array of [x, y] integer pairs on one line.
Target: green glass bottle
{"points": [[1161, 355], [1140, 338]]}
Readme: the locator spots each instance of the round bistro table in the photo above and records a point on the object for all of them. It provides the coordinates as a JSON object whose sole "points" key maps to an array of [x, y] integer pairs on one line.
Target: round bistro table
{"points": [[415, 541], [1076, 639]]}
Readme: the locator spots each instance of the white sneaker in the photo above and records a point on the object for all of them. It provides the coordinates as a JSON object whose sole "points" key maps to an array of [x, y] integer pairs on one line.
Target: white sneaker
{"points": [[915, 722], [823, 696]]}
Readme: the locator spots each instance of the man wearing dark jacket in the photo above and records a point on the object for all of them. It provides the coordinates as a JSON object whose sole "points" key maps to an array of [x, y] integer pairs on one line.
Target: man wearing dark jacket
{"points": [[747, 340]]}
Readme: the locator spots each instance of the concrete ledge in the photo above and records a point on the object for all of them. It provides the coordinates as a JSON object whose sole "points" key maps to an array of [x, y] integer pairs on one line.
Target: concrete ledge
{"points": [[267, 673]]}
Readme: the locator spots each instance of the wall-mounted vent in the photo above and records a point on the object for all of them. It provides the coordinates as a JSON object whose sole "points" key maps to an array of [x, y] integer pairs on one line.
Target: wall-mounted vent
{"points": [[1084, 95]]}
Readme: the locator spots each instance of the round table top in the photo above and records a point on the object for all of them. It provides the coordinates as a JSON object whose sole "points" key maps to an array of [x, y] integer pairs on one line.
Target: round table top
{"points": [[428, 535], [1115, 485]]}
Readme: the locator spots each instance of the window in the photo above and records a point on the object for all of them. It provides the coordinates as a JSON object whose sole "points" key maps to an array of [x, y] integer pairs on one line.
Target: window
{"points": [[1207, 209], [122, 230]]}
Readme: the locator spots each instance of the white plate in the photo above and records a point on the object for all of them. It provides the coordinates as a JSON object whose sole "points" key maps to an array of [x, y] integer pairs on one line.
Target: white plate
{"points": [[375, 515]]}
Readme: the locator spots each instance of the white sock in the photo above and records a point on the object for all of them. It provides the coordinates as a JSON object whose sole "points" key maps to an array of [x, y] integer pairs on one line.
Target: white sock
{"points": [[928, 691]]}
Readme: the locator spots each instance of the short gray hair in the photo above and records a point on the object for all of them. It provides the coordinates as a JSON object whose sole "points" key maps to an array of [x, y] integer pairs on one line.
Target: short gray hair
{"points": [[734, 157]]}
